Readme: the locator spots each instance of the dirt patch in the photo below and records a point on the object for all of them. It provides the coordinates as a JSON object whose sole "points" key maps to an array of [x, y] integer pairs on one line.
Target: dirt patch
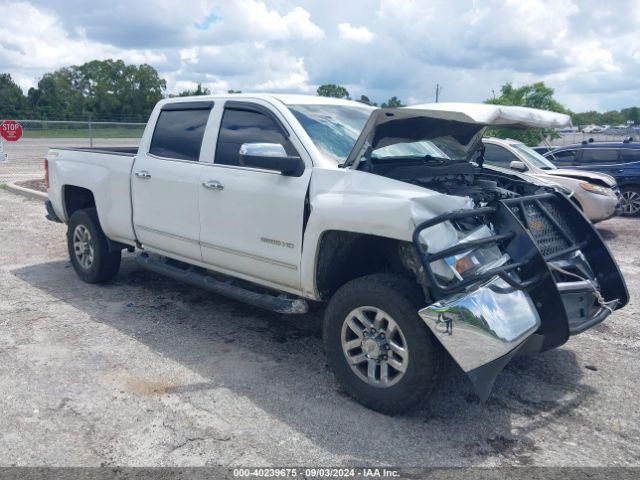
{"points": [[33, 185], [148, 386]]}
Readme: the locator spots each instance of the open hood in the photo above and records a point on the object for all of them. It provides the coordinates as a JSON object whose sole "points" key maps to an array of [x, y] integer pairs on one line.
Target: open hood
{"points": [[463, 123], [501, 115]]}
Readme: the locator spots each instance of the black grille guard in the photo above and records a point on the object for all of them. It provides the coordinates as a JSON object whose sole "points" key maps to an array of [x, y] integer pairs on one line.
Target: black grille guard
{"points": [[533, 230]]}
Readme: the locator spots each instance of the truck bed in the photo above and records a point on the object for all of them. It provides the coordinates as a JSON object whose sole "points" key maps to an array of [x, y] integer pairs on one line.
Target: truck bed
{"points": [[106, 173], [125, 151]]}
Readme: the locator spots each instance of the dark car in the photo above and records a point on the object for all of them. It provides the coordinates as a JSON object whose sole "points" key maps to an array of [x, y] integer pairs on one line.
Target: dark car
{"points": [[621, 160], [544, 150]]}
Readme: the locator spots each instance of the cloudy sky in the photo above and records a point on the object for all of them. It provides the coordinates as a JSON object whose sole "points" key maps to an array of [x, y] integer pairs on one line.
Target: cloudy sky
{"points": [[588, 50]]}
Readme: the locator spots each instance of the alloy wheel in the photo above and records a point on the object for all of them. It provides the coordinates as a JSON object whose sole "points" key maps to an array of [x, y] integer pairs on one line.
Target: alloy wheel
{"points": [[374, 346], [630, 201], [83, 246]]}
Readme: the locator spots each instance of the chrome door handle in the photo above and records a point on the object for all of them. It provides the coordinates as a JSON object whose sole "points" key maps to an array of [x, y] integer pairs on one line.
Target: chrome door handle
{"points": [[143, 174], [213, 185]]}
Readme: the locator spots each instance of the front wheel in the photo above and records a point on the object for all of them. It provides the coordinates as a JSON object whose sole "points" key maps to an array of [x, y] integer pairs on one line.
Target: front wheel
{"points": [[379, 349], [88, 248], [630, 201]]}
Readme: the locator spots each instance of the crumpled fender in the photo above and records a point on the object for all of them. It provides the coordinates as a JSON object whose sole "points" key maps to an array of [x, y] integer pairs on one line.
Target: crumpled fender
{"points": [[359, 202]]}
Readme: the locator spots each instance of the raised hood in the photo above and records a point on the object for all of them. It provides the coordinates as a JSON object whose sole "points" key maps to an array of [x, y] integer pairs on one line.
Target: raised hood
{"points": [[587, 175], [501, 115], [464, 122]]}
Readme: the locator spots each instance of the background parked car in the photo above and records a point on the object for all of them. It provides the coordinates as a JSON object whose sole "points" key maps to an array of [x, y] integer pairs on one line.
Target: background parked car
{"points": [[543, 150], [593, 129], [594, 193], [621, 160]]}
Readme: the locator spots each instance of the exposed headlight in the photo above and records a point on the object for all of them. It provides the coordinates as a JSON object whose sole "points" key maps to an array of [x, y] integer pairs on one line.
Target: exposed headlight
{"points": [[477, 259], [590, 187]]}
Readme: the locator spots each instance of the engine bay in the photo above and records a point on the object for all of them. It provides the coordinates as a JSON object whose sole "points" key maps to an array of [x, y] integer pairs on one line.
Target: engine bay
{"points": [[482, 185]]}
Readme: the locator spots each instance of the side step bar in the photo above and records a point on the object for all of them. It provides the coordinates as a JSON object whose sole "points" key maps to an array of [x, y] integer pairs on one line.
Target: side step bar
{"points": [[194, 277]]}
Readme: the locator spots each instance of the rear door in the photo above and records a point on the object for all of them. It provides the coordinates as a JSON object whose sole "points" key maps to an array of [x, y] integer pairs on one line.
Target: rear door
{"points": [[628, 171], [605, 160], [252, 222], [166, 181]]}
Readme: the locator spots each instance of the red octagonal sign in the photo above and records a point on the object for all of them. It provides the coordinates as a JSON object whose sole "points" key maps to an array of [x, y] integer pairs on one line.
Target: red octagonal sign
{"points": [[11, 130]]}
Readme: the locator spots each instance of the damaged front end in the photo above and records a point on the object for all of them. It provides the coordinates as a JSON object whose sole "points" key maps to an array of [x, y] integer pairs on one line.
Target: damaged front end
{"points": [[525, 274]]}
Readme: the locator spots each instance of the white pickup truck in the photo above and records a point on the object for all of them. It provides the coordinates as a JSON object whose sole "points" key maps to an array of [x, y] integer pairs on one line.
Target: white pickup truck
{"points": [[418, 252]]}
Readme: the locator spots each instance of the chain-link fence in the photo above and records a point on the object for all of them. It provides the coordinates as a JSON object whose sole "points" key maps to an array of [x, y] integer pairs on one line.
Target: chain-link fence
{"points": [[25, 157]]}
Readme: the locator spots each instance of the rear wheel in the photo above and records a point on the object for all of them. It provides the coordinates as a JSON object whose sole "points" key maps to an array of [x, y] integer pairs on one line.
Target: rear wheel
{"points": [[630, 201], [88, 248], [378, 347]]}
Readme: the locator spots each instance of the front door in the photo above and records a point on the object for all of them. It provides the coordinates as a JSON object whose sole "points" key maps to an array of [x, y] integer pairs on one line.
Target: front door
{"points": [[252, 219], [166, 182]]}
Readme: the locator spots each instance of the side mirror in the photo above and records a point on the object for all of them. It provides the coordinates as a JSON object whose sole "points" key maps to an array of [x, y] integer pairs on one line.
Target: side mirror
{"points": [[518, 165], [270, 156]]}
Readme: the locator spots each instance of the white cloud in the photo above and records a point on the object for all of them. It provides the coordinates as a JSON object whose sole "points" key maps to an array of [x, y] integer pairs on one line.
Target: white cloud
{"points": [[245, 20], [355, 34], [34, 39], [584, 49]]}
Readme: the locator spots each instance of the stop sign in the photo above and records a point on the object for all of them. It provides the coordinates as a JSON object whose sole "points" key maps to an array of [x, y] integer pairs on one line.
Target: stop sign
{"points": [[11, 130]]}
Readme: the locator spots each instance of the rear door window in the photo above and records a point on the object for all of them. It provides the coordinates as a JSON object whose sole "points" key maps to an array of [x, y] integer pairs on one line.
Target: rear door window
{"points": [[246, 126], [599, 155], [178, 134], [630, 155], [498, 156]]}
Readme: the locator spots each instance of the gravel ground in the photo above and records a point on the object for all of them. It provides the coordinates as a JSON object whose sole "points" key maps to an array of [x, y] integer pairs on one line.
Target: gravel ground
{"points": [[147, 371]]}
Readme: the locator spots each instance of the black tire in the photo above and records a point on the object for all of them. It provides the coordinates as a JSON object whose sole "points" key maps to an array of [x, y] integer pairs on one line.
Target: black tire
{"points": [[105, 264], [401, 299], [633, 194]]}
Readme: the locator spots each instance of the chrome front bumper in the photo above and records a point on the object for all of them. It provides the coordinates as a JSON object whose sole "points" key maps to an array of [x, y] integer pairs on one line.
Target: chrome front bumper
{"points": [[479, 327], [484, 325]]}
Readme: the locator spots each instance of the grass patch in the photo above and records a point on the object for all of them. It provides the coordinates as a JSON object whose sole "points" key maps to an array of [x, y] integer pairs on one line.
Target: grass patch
{"points": [[106, 132], [3, 186]]}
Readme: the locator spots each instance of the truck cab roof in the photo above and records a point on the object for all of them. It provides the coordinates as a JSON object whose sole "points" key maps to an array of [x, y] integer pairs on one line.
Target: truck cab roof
{"points": [[287, 99]]}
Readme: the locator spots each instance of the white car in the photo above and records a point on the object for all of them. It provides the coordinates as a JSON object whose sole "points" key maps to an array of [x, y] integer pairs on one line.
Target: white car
{"points": [[592, 129], [282, 200], [596, 194]]}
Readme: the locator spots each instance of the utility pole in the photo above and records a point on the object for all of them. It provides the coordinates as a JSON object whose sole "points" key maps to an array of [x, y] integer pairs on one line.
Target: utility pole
{"points": [[438, 90]]}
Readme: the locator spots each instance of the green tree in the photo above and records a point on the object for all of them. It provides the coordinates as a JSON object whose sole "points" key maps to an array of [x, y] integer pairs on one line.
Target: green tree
{"points": [[102, 89], [13, 103], [332, 90], [393, 102], [632, 113], [58, 95], [234, 91], [586, 118], [535, 95], [613, 117], [198, 91], [113, 88], [364, 99]]}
